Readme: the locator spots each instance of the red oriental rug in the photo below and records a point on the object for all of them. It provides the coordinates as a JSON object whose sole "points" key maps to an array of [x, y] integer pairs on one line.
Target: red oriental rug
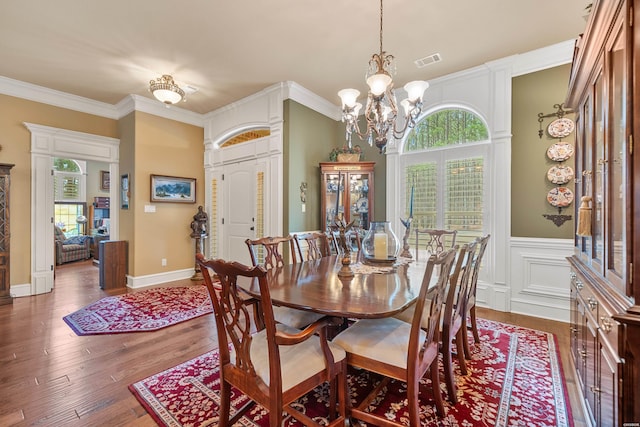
{"points": [[515, 379], [141, 311]]}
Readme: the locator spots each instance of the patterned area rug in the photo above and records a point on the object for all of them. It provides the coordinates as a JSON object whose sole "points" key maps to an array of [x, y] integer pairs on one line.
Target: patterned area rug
{"points": [[141, 311], [515, 379]]}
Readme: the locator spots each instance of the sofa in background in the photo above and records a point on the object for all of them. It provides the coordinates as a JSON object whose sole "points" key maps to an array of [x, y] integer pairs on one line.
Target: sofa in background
{"points": [[73, 249]]}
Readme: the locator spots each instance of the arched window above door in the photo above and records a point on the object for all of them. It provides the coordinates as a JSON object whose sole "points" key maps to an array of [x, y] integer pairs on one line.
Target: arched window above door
{"points": [[246, 136]]}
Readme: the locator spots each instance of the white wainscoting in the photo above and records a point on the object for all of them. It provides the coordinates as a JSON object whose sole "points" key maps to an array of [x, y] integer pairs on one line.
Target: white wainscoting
{"points": [[539, 277]]}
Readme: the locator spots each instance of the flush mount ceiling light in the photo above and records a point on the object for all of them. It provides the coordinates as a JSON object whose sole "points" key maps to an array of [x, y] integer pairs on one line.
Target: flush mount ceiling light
{"points": [[381, 111], [165, 90]]}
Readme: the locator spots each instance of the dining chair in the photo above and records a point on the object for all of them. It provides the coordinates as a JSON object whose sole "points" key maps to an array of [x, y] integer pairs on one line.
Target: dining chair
{"points": [[470, 307], [437, 240], [316, 244], [276, 365], [452, 317], [269, 252], [396, 349]]}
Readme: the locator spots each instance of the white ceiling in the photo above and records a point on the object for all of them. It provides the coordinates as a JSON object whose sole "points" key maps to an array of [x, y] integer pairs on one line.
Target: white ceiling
{"points": [[228, 49]]}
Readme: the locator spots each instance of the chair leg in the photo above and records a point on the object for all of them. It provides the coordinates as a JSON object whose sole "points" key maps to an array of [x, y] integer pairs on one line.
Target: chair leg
{"points": [[333, 385], [465, 341], [474, 325], [460, 340], [413, 405], [437, 394], [275, 411], [343, 392], [447, 365], [225, 402]]}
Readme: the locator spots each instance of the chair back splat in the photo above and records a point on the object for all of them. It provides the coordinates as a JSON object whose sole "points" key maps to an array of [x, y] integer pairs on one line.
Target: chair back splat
{"points": [[277, 364], [270, 251], [397, 349], [317, 245], [436, 240]]}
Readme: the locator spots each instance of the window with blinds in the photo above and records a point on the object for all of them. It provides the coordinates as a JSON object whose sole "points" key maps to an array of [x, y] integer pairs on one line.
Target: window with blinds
{"points": [[69, 181], [445, 161]]}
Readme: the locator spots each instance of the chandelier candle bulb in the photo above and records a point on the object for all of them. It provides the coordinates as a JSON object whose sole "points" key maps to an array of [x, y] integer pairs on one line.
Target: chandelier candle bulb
{"points": [[380, 246]]}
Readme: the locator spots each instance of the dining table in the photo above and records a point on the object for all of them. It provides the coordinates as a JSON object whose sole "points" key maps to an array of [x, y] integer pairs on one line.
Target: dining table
{"points": [[373, 291]]}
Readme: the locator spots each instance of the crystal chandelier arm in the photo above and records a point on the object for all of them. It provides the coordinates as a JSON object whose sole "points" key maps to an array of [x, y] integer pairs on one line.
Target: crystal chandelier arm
{"points": [[414, 110]]}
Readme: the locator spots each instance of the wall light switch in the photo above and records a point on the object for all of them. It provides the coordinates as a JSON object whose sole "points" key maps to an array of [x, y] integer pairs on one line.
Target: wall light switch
{"points": [[304, 207], [149, 208]]}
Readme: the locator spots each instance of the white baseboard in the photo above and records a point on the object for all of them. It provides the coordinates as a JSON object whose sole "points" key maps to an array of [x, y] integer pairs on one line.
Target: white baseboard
{"points": [[157, 279]]}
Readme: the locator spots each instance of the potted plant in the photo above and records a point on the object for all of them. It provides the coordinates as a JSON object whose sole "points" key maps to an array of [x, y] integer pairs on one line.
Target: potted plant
{"points": [[346, 154]]}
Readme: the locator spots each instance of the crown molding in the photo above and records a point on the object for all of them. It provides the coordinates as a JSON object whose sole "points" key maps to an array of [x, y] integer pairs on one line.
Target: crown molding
{"points": [[543, 58], [56, 98], [309, 99], [132, 103]]}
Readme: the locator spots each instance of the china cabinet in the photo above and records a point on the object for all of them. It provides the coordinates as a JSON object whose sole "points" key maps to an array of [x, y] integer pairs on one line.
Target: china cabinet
{"points": [[5, 234], [347, 187], [605, 296]]}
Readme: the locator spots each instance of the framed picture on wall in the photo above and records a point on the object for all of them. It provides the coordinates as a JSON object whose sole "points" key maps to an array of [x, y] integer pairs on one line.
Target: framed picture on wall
{"points": [[173, 189], [124, 191], [104, 180]]}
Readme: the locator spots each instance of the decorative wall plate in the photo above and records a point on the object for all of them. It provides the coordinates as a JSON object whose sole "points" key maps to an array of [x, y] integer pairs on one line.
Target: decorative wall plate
{"points": [[559, 128], [560, 197], [560, 174], [559, 152]]}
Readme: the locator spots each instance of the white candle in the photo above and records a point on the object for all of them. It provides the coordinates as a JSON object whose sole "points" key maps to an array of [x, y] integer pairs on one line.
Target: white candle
{"points": [[380, 246]]}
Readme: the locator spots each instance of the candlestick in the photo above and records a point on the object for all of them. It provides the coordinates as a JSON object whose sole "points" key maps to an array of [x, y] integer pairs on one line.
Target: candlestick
{"points": [[411, 203], [338, 194]]}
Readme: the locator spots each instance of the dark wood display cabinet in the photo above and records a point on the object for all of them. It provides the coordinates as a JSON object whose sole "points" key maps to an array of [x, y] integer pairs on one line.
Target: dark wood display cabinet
{"points": [[347, 187], [605, 286], [5, 234]]}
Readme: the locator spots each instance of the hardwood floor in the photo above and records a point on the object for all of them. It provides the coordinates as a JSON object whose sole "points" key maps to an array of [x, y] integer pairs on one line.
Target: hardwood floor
{"points": [[52, 377]]}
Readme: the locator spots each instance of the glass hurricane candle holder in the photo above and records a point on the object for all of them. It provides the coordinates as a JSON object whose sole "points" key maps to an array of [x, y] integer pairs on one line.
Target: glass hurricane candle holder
{"points": [[380, 245]]}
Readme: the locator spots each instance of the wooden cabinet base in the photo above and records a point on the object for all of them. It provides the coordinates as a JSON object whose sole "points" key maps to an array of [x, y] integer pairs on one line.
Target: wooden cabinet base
{"points": [[113, 264]]}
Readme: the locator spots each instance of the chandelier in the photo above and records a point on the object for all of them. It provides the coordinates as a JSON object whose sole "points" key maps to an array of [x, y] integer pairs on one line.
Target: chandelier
{"points": [[381, 112], [165, 90]]}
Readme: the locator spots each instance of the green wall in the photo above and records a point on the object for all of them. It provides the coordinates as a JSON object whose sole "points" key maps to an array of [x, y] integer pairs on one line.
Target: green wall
{"points": [[532, 94], [308, 138]]}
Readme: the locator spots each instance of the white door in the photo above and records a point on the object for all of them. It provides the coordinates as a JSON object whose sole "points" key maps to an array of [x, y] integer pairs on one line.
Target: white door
{"points": [[239, 210]]}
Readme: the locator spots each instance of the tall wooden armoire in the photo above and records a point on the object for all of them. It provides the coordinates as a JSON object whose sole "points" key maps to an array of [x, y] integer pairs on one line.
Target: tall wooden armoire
{"points": [[5, 234]]}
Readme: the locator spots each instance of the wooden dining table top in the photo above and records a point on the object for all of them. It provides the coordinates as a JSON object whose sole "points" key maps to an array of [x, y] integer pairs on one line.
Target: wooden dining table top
{"points": [[315, 286]]}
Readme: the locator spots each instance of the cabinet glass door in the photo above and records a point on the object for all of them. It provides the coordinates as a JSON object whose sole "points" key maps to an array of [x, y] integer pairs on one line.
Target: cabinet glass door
{"points": [[598, 174], [359, 199], [332, 196], [617, 164]]}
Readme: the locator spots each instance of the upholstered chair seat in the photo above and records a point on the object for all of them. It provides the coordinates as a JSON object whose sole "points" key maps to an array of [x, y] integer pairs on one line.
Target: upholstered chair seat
{"points": [[363, 338], [298, 362]]}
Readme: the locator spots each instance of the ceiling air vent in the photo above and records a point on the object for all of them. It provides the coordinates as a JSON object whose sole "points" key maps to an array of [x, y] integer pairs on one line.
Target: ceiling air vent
{"points": [[428, 60]]}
